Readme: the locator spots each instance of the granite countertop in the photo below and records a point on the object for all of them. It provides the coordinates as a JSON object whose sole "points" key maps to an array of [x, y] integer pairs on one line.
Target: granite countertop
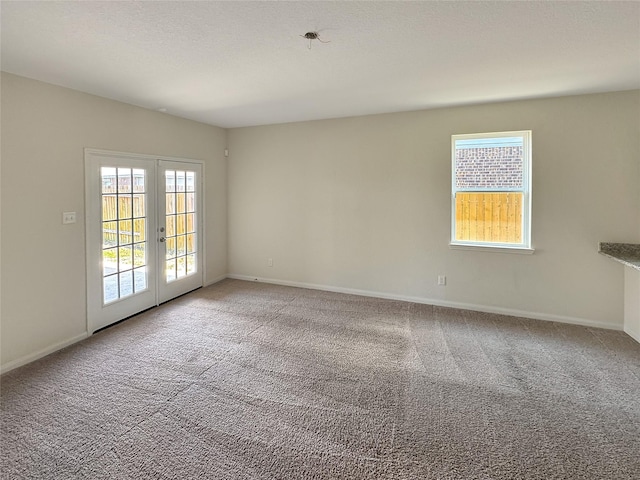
{"points": [[627, 253]]}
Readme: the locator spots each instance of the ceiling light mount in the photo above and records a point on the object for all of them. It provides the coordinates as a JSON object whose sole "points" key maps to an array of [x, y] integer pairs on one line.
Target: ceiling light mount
{"points": [[314, 36]]}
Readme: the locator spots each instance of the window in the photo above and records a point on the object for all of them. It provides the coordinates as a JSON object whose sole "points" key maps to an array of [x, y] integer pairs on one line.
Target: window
{"points": [[491, 190]]}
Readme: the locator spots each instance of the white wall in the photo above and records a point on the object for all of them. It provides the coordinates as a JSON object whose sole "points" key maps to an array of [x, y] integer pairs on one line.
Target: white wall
{"points": [[632, 302], [357, 203], [44, 131], [364, 204]]}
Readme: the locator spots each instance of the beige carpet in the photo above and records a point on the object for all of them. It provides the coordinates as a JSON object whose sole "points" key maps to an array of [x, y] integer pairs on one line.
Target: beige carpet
{"points": [[252, 381]]}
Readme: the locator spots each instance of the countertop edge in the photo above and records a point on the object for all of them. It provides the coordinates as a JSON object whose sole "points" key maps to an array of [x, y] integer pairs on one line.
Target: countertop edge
{"points": [[622, 257]]}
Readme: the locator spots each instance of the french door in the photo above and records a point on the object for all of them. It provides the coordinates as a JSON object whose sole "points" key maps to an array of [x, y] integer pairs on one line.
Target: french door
{"points": [[180, 258], [143, 233]]}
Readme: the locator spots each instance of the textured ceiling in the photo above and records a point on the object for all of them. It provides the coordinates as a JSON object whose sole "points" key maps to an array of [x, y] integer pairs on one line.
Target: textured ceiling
{"points": [[244, 63]]}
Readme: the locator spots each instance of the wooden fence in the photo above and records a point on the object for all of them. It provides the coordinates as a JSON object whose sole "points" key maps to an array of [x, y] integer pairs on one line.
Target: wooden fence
{"points": [[124, 205], [132, 229], [489, 217], [175, 203]]}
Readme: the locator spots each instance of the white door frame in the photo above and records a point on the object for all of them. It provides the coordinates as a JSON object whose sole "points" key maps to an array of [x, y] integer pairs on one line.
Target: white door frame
{"points": [[97, 313]]}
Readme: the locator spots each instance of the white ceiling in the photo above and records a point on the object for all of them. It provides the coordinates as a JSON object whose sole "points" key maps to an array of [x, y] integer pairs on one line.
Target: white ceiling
{"points": [[239, 63]]}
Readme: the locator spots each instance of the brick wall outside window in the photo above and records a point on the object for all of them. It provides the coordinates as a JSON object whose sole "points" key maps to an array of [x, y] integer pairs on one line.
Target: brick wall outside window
{"points": [[489, 167]]}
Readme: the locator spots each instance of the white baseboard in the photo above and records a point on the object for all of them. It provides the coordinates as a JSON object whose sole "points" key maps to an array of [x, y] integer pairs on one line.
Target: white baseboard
{"points": [[65, 343], [41, 353], [215, 280], [352, 291], [632, 334], [437, 302]]}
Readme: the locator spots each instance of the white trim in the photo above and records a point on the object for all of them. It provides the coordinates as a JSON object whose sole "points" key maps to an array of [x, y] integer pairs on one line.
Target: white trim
{"points": [[632, 302], [202, 230], [32, 357], [351, 291], [632, 334], [215, 280], [437, 302], [142, 156], [491, 248]]}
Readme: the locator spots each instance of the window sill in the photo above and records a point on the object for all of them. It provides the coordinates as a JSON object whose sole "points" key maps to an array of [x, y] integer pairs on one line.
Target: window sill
{"points": [[491, 248]]}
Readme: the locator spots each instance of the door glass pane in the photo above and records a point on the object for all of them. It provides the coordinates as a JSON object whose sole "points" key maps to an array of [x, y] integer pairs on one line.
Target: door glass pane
{"points": [[125, 255], [109, 234], [110, 285], [180, 227], [181, 249], [171, 203], [170, 181], [171, 247], [139, 230], [180, 202], [138, 181], [171, 225], [191, 202], [109, 184], [124, 180], [180, 246], [123, 232], [138, 206], [109, 261], [126, 283], [191, 264], [171, 270], [191, 181], [191, 243], [181, 267], [139, 255], [124, 206], [180, 181], [140, 279], [109, 210]]}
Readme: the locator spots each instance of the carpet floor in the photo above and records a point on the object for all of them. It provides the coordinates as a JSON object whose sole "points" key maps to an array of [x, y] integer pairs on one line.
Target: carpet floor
{"points": [[245, 380]]}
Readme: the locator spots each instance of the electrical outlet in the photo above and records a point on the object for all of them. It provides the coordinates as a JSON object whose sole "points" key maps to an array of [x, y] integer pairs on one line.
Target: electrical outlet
{"points": [[442, 280], [68, 217], [269, 262]]}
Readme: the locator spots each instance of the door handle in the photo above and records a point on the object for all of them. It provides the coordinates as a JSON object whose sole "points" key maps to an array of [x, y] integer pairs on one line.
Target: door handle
{"points": [[162, 239]]}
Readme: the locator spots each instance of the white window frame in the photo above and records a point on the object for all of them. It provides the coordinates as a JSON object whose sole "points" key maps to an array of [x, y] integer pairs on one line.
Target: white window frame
{"points": [[523, 247]]}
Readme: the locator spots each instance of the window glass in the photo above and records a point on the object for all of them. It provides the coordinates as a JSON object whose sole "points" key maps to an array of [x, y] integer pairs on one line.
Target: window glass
{"points": [[491, 189]]}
